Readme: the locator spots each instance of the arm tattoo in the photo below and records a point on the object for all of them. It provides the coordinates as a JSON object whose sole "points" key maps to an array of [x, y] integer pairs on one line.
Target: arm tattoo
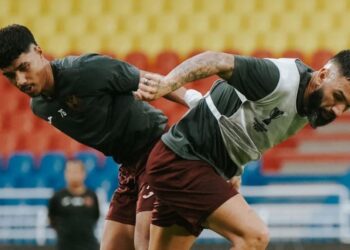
{"points": [[200, 66]]}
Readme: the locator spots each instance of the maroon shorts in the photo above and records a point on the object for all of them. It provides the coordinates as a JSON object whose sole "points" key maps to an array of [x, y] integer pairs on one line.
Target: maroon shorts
{"points": [[187, 191], [133, 194]]}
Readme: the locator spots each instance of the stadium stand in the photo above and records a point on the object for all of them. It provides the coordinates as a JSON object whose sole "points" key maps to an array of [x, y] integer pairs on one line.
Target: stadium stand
{"points": [[156, 35]]}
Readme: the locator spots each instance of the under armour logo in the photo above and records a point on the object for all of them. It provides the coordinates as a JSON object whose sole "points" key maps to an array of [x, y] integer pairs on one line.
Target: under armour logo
{"points": [[62, 113], [262, 126]]}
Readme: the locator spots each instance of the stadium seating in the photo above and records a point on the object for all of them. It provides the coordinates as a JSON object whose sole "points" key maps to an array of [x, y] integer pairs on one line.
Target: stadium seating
{"points": [[139, 59], [165, 62], [89, 159], [51, 168]]}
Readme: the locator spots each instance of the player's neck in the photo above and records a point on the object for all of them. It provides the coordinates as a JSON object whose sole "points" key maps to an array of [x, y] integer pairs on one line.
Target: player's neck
{"points": [[311, 87], [49, 86], [77, 190]]}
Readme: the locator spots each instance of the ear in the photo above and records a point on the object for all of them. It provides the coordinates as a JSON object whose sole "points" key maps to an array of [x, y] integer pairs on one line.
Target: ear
{"points": [[321, 76], [38, 49]]}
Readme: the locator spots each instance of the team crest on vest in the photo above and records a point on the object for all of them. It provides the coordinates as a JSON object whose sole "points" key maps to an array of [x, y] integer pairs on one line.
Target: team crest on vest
{"points": [[262, 126], [73, 102]]}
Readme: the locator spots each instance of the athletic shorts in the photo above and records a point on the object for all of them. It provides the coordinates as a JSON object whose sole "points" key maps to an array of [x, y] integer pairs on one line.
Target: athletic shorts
{"points": [[133, 194], [187, 191]]}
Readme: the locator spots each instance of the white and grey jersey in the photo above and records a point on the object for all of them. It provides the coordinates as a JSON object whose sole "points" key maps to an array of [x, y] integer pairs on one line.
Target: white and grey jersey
{"points": [[259, 107]]}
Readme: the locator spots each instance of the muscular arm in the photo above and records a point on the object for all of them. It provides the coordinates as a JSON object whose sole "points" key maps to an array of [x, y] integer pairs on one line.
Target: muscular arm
{"points": [[178, 95], [200, 66]]}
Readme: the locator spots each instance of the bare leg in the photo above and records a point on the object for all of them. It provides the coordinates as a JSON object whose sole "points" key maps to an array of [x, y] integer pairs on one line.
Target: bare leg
{"points": [[236, 221], [170, 238], [117, 236], [142, 230]]}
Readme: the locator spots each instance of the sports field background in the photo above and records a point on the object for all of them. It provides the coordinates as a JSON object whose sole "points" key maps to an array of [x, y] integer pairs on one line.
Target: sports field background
{"points": [[156, 35]]}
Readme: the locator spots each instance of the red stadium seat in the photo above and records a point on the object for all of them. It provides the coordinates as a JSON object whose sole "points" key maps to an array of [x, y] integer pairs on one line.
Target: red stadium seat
{"points": [[109, 53], [5, 84], [232, 51], [9, 142], [138, 59], [165, 62], [61, 142], [294, 54], [20, 121], [262, 53], [37, 143], [8, 103], [319, 58]]}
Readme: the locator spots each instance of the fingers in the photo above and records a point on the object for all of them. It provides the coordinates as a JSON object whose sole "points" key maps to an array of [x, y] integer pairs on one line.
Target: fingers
{"points": [[137, 95], [153, 77], [144, 96]]}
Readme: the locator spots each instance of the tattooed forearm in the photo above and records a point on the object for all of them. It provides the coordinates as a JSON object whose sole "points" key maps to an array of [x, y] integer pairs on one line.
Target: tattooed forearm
{"points": [[201, 66]]}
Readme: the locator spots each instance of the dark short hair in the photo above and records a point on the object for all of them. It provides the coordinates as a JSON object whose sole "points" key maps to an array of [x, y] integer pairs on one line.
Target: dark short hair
{"points": [[76, 161], [14, 40], [343, 61]]}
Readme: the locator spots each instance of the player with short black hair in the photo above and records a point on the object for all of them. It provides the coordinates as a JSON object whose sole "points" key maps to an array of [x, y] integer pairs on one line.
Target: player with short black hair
{"points": [[256, 105], [90, 98]]}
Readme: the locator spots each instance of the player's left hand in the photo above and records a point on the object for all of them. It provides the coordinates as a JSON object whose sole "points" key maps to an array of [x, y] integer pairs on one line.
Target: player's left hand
{"points": [[152, 87]]}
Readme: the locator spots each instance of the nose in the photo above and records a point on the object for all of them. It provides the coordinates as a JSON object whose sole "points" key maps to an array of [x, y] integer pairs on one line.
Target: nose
{"points": [[338, 109], [20, 78]]}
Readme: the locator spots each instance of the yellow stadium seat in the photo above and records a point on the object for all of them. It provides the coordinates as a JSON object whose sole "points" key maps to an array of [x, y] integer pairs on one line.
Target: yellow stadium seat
{"points": [[150, 7], [119, 43], [14, 19], [307, 41], [309, 6], [59, 7], [245, 42], [166, 23], [341, 22], [276, 42], [197, 23], [180, 7], [210, 6], [117, 7], [73, 25], [5, 8], [211, 41], [57, 45], [135, 24], [104, 25], [258, 22], [44, 25], [290, 21], [183, 43], [87, 43], [335, 7], [227, 23], [238, 6], [334, 40], [150, 43], [271, 6], [313, 22], [27, 8], [89, 7]]}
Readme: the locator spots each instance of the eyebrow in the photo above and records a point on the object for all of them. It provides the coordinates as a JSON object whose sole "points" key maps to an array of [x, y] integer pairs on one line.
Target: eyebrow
{"points": [[344, 97], [18, 67]]}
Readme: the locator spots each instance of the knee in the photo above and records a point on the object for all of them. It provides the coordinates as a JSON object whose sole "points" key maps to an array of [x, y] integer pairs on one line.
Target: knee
{"points": [[259, 239], [256, 239]]}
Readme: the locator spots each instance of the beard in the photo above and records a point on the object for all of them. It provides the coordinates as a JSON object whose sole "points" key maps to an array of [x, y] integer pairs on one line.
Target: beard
{"points": [[317, 115]]}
